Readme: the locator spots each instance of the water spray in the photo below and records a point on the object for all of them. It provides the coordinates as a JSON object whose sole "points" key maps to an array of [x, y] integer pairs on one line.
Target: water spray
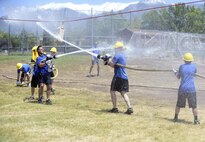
{"points": [[79, 51], [59, 38]]}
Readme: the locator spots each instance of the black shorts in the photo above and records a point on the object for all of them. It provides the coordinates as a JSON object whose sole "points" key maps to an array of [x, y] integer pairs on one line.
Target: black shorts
{"points": [[45, 79], [34, 81], [181, 101], [119, 84]]}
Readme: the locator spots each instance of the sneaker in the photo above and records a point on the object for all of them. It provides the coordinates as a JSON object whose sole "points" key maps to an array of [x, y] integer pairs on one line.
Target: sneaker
{"points": [[113, 110], [40, 101], [89, 75], [196, 122], [176, 120], [48, 102], [129, 111]]}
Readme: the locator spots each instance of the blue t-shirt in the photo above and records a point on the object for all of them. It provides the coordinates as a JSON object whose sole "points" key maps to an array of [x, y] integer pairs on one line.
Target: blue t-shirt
{"points": [[42, 70], [25, 69], [186, 73], [97, 51], [119, 71]]}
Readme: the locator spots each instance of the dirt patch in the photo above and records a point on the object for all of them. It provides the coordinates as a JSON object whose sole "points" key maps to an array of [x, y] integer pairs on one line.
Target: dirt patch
{"points": [[160, 86]]}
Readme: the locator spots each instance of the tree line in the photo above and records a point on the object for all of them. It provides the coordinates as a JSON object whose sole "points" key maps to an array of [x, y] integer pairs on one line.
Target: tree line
{"points": [[188, 19]]}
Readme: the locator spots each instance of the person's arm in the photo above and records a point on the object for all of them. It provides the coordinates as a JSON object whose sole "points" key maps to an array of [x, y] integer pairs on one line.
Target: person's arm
{"points": [[18, 76], [178, 73], [110, 63], [40, 63]]}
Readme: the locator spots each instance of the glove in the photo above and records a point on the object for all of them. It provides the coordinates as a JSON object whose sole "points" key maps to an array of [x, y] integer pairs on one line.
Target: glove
{"points": [[48, 62], [175, 71], [106, 57], [99, 56], [49, 57], [55, 57]]}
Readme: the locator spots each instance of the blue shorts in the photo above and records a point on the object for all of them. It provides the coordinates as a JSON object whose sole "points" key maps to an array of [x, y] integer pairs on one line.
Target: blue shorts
{"points": [[191, 97], [95, 61], [45, 79]]}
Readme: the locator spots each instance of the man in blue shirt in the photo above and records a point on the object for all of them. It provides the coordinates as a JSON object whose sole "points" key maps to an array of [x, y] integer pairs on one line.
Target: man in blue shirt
{"points": [[120, 78], [95, 60], [25, 69], [43, 74], [187, 88]]}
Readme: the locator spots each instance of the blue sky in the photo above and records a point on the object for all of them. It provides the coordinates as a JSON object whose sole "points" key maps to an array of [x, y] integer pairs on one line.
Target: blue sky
{"points": [[17, 3]]}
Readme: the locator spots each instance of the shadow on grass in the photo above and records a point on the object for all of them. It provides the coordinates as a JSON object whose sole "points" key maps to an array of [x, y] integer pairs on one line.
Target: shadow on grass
{"points": [[107, 111], [179, 121]]}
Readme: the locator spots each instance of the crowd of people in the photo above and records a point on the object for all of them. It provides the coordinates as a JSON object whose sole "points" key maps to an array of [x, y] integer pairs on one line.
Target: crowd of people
{"points": [[42, 73]]}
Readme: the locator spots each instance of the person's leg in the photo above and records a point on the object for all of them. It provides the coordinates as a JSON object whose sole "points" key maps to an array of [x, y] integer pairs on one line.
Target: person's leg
{"points": [[40, 95], [195, 113], [48, 85], [114, 99], [114, 102], [181, 102], [32, 91], [28, 80], [127, 100], [193, 104], [98, 69], [48, 90], [177, 110]]}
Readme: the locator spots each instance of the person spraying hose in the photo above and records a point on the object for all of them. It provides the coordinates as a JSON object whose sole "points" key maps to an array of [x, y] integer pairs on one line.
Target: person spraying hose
{"points": [[186, 89], [120, 79]]}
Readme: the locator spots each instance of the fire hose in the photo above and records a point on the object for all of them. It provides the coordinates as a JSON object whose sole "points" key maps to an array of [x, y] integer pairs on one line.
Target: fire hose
{"points": [[155, 70], [107, 57]]}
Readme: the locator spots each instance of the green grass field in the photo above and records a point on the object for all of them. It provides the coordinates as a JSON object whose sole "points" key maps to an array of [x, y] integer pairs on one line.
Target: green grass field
{"points": [[80, 114]]}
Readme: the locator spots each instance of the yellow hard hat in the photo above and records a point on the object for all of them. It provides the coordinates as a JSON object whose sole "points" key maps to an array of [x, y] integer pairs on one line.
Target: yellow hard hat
{"points": [[19, 65], [53, 49], [188, 57], [119, 44]]}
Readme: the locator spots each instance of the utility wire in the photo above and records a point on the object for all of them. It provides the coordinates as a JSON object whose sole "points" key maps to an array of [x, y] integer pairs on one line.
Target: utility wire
{"points": [[106, 15]]}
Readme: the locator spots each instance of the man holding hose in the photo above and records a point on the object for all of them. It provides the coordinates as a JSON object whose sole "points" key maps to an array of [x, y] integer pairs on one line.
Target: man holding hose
{"points": [[120, 79]]}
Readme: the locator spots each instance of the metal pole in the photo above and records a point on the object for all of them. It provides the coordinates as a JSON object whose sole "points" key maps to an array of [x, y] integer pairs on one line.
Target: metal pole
{"points": [[112, 26], [22, 40], [92, 27], [9, 41], [37, 34], [130, 20]]}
